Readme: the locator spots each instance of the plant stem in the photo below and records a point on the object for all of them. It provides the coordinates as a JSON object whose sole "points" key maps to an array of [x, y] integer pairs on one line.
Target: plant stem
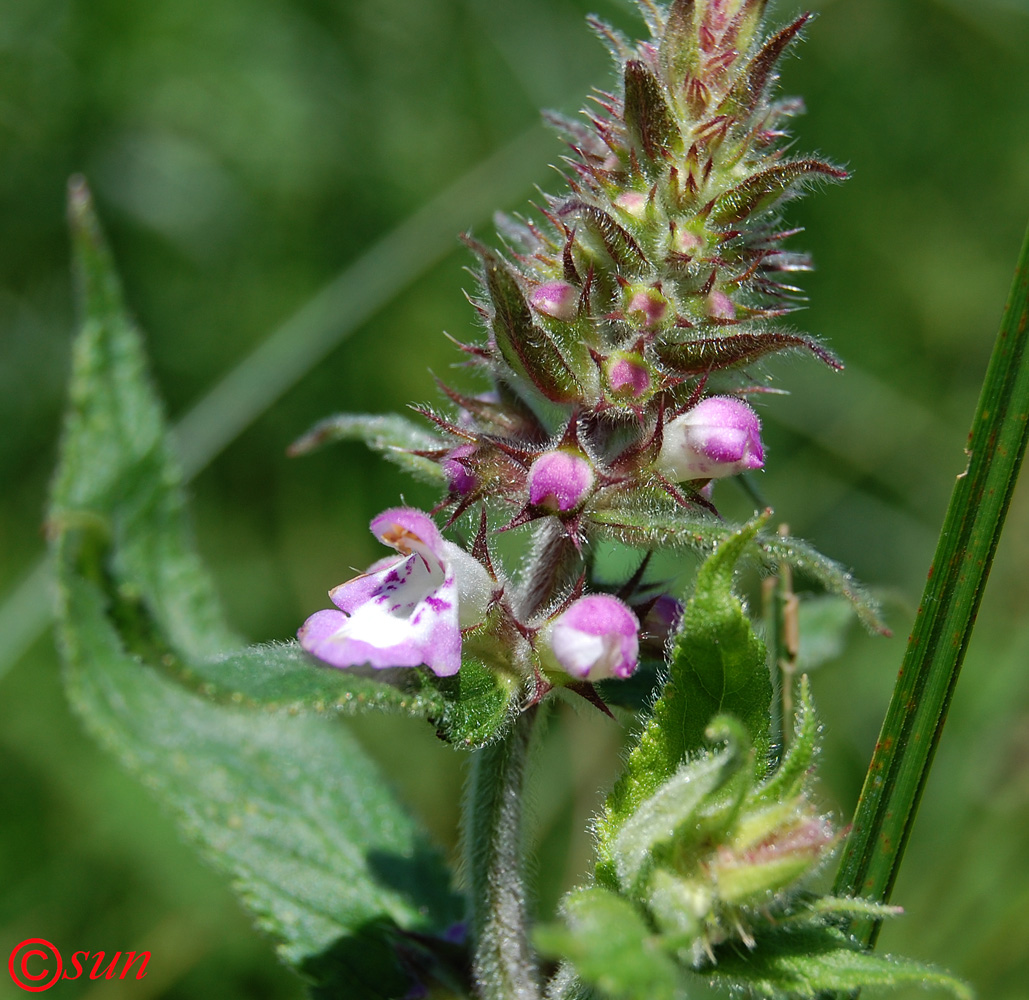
{"points": [[914, 721], [504, 964]]}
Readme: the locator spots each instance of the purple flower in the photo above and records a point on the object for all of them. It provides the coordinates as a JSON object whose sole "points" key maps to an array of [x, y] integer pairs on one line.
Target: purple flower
{"points": [[406, 610], [560, 480], [720, 436], [596, 637]]}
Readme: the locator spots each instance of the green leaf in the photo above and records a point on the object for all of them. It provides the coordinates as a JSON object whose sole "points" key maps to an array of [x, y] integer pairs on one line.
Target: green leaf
{"points": [[282, 677], [393, 436], [823, 622], [611, 947], [290, 809], [662, 525], [659, 817], [943, 626], [479, 704], [794, 770], [804, 963], [717, 666]]}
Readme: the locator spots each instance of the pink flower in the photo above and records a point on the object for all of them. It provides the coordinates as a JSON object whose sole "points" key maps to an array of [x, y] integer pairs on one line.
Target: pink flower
{"points": [[596, 637], [406, 610], [720, 436], [560, 480]]}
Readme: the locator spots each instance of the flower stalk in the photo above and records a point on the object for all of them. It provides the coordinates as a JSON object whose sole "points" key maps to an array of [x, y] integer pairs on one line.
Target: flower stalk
{"points": [[504, 964]]}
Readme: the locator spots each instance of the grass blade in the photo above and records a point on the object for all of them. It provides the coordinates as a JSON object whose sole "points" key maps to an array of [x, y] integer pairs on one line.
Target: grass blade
{"points": [[943, 626]]}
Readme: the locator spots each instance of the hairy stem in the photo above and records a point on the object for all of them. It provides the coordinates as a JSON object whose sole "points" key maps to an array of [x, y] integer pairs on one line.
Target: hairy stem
{"points": [[504, 965]]}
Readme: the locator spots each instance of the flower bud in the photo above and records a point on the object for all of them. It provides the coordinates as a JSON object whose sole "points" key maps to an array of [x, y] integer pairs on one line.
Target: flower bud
{"points": [[560, 480], [628, 375], [720, 306], [557, 299], [645, 307], [460, 478], [596, 637], [632, 202], [720, 436]]}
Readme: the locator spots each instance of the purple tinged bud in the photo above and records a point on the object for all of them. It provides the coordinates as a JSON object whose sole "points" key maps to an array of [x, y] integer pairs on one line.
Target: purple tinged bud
{"points": [[632, 202], [686, 242], [455, 466], [560, 480], [720, 306], [596, 637], [720, 436], [557, 299], [645, 307], [628, 375]]}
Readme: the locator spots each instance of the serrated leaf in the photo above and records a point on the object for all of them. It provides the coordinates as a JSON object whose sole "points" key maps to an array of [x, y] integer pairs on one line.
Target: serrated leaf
{"points": [[717, 663], [611, 947], [804, 963], [291, 809], [717, 666], [394, 437], [661, 525]]}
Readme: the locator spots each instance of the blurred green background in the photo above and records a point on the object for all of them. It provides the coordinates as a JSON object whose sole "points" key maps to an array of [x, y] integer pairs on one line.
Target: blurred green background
{"points": [[246, 153]]}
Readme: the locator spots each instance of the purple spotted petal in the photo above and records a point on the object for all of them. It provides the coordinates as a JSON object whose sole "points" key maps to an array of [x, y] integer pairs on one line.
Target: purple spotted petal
{"points": [[408, 609]]}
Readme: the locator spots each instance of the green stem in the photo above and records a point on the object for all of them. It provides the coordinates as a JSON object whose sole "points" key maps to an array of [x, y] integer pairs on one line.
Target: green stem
{"points": [[505, 965], [914, 721]]}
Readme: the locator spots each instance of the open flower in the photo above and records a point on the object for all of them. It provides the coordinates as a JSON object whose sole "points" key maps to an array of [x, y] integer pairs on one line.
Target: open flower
{"points": [[597, 636], [720, 436], [406, 610]]}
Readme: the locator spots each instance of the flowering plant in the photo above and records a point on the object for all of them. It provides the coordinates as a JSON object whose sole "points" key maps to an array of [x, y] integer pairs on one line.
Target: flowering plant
{"points": [[621, 379]]}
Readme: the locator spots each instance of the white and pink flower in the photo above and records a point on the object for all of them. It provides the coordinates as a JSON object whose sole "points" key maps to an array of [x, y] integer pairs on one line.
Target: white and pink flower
{"points": [[406, 610], [596, 637], [720, 436]]}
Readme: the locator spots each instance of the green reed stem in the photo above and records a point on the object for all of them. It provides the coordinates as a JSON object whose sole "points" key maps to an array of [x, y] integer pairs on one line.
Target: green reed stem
{"points": [[914, 721]]}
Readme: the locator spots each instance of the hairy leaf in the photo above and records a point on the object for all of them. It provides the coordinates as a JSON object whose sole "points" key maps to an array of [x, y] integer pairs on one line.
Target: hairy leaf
{"points": [[803, 963], [478, 704], [661, 525], [393, 436], [646, 114], [611, 947], [717, 666], [282, 677], [697, 357], [290, 809]]}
